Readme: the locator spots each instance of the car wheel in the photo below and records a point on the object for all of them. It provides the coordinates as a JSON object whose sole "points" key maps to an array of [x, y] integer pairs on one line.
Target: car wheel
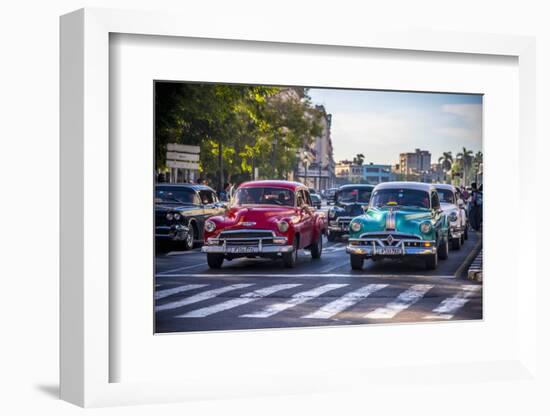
{"points": [[290, 259], [456, 243], [466, 232], [443, 250], [356, 261], [431, 262], [214, 260], [317, 248], [331, 237], [189, 241]]}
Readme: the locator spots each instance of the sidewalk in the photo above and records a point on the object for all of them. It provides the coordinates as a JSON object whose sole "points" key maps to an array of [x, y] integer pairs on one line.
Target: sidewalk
{"points": [[475, 271]]}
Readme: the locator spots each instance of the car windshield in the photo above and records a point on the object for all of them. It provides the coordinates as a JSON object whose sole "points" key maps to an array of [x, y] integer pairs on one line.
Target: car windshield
{"points": [[400, 197], [353, 195], [264, 196], [174, 195], [446, 195], [315, 197]]}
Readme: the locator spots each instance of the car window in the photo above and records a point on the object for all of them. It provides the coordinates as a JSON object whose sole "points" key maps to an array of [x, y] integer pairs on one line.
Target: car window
{"points": [[307, 198], [446, 195], [175, 195], [435, 200], [206, 197], [264, 196], [300, 199]]}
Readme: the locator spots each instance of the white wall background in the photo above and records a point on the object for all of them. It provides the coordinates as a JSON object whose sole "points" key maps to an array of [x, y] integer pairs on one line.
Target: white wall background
{"points": [[29, 99]]}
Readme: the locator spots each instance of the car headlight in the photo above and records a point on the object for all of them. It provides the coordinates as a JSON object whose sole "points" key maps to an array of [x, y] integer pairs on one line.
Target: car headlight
{"points": [[177, 216], [426, 227], [453, 216], [355, 226], [332, 214], [209, 226], [283, 226], [169, 216]]}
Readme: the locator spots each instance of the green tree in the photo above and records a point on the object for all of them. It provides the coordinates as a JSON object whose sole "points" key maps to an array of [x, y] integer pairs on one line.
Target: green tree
{"points": [[446, 161], [359, 159], [465, 159]]}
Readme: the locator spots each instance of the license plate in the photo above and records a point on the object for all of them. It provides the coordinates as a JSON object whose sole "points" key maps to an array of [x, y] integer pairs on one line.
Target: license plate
{"points": [[242, 249], [389, 251]]}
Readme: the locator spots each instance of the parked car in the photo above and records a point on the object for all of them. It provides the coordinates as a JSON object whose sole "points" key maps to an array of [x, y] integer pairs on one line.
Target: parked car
{"points": [[180, 213], [272, 219], [453, 206], [330, 195], [316, 200], [404, 219], [349, 202]]}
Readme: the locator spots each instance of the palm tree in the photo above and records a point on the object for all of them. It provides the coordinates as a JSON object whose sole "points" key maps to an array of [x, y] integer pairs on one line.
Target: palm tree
{"points": [[358, 159], [465, 159], [446, 162]]}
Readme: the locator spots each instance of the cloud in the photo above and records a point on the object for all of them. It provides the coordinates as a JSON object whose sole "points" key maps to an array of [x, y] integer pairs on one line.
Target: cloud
{"points": [[468, 114]]}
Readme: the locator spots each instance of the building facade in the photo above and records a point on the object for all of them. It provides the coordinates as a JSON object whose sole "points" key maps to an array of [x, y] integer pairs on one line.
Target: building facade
{"points": [[375, 174], [316, 167], [416, 162]]}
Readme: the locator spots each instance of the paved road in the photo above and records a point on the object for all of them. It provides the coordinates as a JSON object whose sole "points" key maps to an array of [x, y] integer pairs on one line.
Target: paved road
{"points": [[261, 293]]}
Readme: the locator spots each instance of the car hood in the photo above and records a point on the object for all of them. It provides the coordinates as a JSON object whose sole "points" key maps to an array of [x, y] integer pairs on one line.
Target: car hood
{"points": [[407, 220], [174, 207], [352, 209], [257, 216]]}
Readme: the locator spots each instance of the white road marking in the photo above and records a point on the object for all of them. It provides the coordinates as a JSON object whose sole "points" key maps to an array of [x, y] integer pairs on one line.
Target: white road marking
{"points": [[402, 302], [313, 274], [296, 299], [182, 268], [448, 307], [241, 300], [209, 294], [345, 302], [169, 292]]}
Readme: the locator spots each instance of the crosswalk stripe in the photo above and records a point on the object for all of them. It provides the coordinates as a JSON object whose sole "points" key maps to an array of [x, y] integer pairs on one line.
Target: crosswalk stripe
{"points": [[345, 302], [296, 299], [161, 294], [448, 307], [402, 302], [209, 294], [241, 300]]}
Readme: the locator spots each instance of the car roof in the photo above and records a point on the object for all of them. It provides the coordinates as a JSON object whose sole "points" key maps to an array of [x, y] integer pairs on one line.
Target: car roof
{"points": [[419, 186], [356, 185], [194, 186], [445, 186], [274, 184]]}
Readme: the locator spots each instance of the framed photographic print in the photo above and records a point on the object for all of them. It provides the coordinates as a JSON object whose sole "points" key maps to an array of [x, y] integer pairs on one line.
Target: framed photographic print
{"points": [[273, 214]]}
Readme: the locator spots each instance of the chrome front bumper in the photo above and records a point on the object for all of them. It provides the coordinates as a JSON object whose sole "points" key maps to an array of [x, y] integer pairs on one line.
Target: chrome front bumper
{"points": [[370, 247], [247, 245], [456, 232], [171, 232]]}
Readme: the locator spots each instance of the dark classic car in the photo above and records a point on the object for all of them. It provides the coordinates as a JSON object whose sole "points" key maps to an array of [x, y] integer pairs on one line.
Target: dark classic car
{"points": [[316, 200], [329, 194], [349, 202], [272, 219], [180, 213]]}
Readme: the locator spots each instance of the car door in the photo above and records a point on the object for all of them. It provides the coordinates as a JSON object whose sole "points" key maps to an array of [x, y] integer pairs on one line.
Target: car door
{"points": [[307, 218], [437, 212]]}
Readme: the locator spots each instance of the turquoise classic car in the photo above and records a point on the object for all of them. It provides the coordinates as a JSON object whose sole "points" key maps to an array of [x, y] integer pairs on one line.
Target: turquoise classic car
{"points": [[403, 219]]}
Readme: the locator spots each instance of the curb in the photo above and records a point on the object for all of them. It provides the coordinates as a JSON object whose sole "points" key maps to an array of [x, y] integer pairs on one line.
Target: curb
{"points": [[475, 271]]}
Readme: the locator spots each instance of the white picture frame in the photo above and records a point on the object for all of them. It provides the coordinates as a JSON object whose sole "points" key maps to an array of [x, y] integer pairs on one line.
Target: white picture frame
{"points": [[85, 211]]}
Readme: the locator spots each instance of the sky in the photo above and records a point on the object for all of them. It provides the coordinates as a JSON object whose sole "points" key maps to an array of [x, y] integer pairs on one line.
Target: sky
{"points": [[383, 124]]}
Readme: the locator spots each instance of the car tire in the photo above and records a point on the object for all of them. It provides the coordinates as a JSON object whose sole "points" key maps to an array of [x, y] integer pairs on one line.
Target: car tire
{"points": [[214, 260], [466, 232], [431, 262], [443, 250], [189, 241], [290, 259], [456, 243], [331, 237], [356, 261], [317, 248]]}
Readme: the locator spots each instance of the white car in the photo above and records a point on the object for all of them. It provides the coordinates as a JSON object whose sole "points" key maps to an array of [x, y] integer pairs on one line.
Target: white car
{"points": [[454, 207]]}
